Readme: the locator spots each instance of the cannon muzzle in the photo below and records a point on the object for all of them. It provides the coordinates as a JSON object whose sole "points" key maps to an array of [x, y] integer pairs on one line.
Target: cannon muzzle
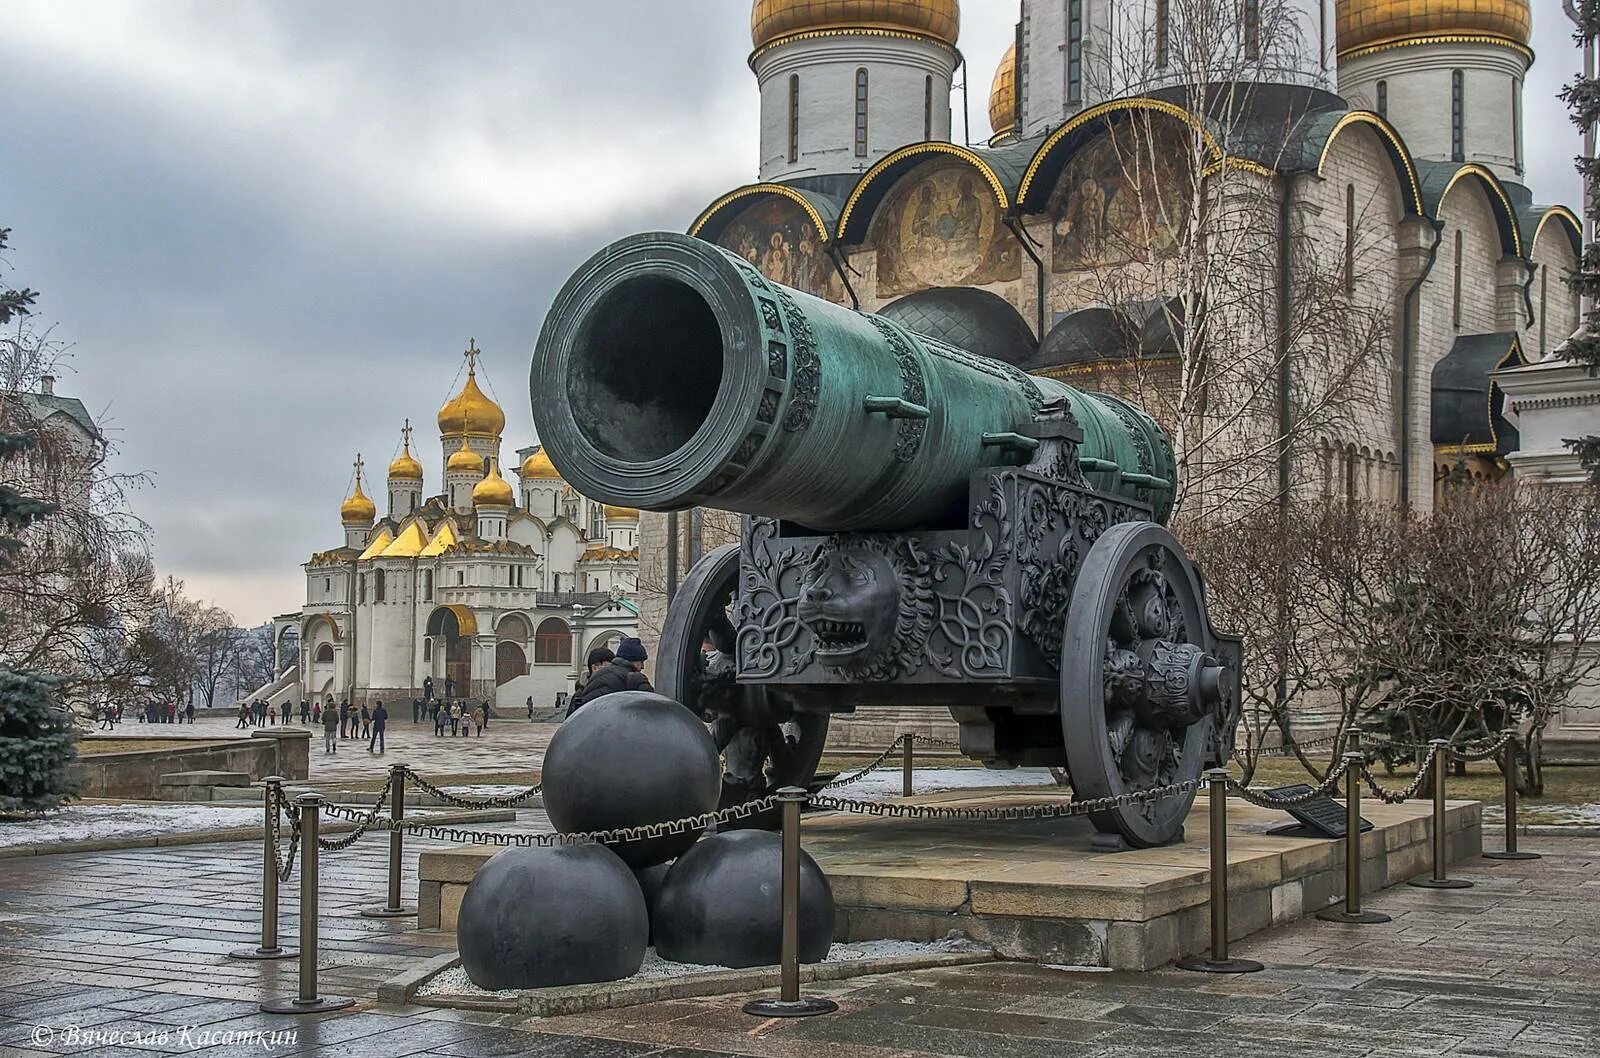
{"points": [[670, 373]]}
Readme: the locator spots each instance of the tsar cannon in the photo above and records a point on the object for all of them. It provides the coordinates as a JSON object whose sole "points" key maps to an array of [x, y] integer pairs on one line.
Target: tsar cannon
{"points": [[922, 527]]}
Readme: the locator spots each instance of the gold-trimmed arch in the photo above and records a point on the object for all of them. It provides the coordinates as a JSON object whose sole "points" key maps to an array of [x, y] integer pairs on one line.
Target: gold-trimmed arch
{"points": [[1395, 147], [1567, 217], [466, 622], [712, 211], [894, 161], [1499, 202], [1025, 191]]}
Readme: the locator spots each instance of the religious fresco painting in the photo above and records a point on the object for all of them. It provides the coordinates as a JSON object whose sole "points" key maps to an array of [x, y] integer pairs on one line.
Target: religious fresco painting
{"points": [[778, 237], [941, 228], [1117, 201]]}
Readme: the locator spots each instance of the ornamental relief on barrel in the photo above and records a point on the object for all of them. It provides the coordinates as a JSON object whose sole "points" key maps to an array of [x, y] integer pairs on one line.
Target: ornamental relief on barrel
{"points": [[941, 227]]}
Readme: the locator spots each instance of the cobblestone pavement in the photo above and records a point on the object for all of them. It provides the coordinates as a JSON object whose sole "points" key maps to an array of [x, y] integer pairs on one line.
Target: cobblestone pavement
{"points": [[508, 744], [133, 941]]}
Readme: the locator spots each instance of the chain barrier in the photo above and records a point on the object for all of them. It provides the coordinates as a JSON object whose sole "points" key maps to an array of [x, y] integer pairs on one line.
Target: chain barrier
{"points": [[1054, 810], [1262, 799], [861, 773], [934, 740], [284, 864], [371, 820], [1391, 797], [645, 832], [1490, 750], [458, 801]]}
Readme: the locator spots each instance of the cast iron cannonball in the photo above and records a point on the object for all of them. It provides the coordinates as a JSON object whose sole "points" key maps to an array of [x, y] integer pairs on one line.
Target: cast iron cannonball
{"points": [[564, 915], [722, 904], [628, 759], [650, 879]]}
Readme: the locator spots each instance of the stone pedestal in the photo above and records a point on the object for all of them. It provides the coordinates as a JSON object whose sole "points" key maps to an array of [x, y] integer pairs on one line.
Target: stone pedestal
{"points": [[294, 750]]}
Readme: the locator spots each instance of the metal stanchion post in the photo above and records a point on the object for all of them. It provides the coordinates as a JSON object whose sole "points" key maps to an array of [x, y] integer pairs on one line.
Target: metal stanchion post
{"points": [[269, 948], [1511, 852], [1217, 961], [397, 812], [789, 1003], [1351, 912], [307, 1002], [1440, 748], [907, 763]]}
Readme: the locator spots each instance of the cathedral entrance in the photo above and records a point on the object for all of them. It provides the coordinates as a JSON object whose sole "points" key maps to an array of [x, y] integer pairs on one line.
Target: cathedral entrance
{"points": [[452, 629], [509, 663]]}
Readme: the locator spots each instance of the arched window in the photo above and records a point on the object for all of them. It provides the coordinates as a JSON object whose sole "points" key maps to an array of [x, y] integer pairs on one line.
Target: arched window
{"points": [[427, 649], [1350, 238], [552, 644], [861, 112], [1516, 124], [1163, 33], [325, 654], [1456, 310], [927, 108], [1544, 307], [1383, 100], [427, 585], [1458, 117], [377, 586], [361, 587], [794, 117], [1252, 29], [327, 585], [1074, 51]]}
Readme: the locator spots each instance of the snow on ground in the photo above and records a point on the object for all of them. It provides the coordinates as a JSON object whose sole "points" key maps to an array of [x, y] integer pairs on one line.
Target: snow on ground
{"points": [[99, 822], [484, 790], [455, 982], [884, 783]]}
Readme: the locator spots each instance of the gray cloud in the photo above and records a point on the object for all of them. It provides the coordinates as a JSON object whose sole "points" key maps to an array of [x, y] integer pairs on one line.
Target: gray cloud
{"points": [[270, 226]]}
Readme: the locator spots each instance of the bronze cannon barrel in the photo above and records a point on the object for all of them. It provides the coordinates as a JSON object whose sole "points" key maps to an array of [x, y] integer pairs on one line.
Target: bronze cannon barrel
{"points": [[670, 373]]}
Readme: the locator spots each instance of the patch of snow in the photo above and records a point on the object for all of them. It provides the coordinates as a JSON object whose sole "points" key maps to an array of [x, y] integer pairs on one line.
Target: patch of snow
{"points": [[883, 784], [455, 982], [484, 790], [1066, 968], [99, 822]]}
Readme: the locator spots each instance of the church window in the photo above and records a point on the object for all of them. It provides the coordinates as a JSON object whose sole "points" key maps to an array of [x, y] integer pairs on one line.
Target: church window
{"points": [[794, 117], [461, 577], [1252, 29], [861, 113], [1516, 125], [1163, 33], [377, 586], [427, 649], [1458, 117], [1322, 33], [361, 588], [927, 108], [1456, 312], [1383, 100], [1350, 475], [1350, 239], [427, 585], [325, 654], [327, 585], [552, 643], [1544, 306], [1074, 51]]}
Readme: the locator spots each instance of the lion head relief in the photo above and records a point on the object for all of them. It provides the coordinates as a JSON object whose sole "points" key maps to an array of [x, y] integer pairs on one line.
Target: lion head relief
{"points": [[868, 602]]}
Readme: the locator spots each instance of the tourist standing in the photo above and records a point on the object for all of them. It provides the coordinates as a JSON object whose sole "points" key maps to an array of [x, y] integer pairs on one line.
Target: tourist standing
{"points": [[486, 712], [427, 688], [439, 717], [344, 718], [366, 722], [172, 712], [530, 707], [243, 716], [620, 673], [188, 711], [305, 713], [287, 705], [330, 731], [380, 720]]}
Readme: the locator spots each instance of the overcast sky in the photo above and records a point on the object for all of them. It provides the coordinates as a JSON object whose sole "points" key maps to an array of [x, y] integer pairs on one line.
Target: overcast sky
{"points": [[268, 228]]}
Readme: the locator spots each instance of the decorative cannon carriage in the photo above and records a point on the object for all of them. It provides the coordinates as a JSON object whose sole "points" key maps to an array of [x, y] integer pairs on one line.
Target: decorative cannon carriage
{"points": [[922, 528]]}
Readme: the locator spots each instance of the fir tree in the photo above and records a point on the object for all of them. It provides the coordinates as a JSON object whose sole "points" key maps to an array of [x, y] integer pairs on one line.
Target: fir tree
{"points": [[1582, 97], [37, 736]]}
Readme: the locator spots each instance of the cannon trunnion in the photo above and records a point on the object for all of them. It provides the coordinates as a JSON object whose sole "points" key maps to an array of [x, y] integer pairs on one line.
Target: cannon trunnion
{"points": [[923, 527]]}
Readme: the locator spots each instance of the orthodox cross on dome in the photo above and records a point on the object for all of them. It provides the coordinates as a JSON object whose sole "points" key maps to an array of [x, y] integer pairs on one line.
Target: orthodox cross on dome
{"points": [[472, 354], [358, 465], [405, 435]]}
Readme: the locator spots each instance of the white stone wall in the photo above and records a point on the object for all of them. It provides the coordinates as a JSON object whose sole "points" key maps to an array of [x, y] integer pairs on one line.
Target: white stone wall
{"points": [[1419, 90], [1554, 303], [897, 70]]}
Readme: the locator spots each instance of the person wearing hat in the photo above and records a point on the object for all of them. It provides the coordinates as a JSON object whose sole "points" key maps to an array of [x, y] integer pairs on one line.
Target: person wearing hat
{"points": [[621, 673]]}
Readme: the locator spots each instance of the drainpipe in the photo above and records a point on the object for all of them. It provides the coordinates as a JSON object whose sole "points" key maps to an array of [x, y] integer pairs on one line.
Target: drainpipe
{"points": [[1408, 308], [842, 266], [1026, 242]]}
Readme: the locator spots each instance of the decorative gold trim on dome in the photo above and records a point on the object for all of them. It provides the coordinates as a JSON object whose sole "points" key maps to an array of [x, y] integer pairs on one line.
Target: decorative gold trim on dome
{"points": [[464, 459], [538, 467], [493, 490], [405, 466], [1376, 121], [1558, 213], [479, 416], [358, 508], [762, 189], [774, 22], [621, 514], [853, 31], [1413, 40], [931, 147]]}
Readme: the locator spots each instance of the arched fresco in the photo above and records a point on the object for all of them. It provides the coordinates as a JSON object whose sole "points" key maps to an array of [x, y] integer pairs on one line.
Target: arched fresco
{"points": [[780, 239], [1121, 198], [941, 227]]}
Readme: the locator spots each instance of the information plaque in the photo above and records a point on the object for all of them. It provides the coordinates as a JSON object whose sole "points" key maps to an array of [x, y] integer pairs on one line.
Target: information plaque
{"points": [[1322, 817]]}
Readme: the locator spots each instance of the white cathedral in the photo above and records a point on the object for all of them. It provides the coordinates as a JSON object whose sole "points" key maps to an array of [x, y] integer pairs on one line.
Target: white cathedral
{"points": [[486, 589]]}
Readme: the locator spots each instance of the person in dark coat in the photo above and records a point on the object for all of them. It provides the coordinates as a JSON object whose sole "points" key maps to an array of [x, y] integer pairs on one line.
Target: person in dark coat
{"points": [[366, 723], [621, 673], [427, 688], [330, 730], [380, 720]]}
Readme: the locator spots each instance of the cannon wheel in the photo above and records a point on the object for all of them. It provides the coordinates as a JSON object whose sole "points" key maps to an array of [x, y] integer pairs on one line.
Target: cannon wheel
{"points": [[766, 741], [1108, 751]]}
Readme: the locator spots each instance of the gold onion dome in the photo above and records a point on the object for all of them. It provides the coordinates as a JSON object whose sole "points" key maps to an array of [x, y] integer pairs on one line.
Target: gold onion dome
{"points": [[358, 509], [405, 466], [772, 20], [1003, 95], [538, 465], [493, 490], [464, 458], [471, 413], [1362, 23], [621, 514]]}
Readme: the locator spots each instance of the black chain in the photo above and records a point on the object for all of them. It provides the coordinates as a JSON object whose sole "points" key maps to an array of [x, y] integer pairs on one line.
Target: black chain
{"points": [[284, 864], [504, 801], [1390, 797], [622, 834], [372, 819], [861, 773], [1262, 799]]}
